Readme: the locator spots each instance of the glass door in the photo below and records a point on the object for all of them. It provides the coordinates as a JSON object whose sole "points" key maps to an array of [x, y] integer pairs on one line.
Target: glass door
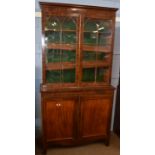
{"points": [[96, 50], [60, 52]]}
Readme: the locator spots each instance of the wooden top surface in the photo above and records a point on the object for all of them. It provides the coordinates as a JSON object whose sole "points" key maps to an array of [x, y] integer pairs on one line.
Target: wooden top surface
{"points": [[77, 6], [49, 88]]}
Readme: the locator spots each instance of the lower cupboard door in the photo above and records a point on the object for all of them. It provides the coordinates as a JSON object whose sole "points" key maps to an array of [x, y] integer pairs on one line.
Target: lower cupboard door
{"points": [[95, 117], [60, 116]]}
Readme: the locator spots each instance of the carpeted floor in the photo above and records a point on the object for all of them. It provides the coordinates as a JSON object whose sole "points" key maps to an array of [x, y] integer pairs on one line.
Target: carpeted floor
{"points": [[90, 149]]}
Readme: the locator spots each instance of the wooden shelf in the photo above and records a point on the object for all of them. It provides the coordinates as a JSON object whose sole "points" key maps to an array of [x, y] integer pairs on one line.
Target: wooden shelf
{"points": [[85, 47], [105, 49], [98, 32], [50, 30], [61, 46], [58, 65], [90, 64]]}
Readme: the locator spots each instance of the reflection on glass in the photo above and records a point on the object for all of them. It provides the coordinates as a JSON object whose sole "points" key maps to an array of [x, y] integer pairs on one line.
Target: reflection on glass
{"points": [[60, 30], [88, 75], [97, 31], [60, 23], [97, 25], [52, 23], [52, 37]]}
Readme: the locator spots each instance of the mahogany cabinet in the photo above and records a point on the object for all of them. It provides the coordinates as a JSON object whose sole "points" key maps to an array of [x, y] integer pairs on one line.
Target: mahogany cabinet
{"points": [[77, 49]]}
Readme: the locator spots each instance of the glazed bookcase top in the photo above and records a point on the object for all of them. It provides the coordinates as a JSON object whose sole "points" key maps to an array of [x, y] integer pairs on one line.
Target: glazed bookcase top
{"points": [[77, 46]]}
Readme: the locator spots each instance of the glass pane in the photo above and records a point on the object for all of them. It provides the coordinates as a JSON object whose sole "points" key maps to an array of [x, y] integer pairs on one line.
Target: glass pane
{"points": [[52, 37], [53, 55], [53, 76], [69, 37], [56, 55], [94, 25], [90, 38], [101, 56], [68, 56], [69, 24], [68, 75], [90, 25], [88, 74], [97, 32], [58, 76], [100, 75], [89, 56], [102, 40], [105, 26], [52, 23], [60, 30]]}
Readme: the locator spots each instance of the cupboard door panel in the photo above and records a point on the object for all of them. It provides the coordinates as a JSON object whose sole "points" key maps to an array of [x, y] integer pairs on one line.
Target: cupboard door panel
{"points": [[95, 113], [60, 119]]}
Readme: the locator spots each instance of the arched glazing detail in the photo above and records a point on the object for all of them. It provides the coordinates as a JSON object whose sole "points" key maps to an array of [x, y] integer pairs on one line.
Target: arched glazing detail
{"points": [[52, 30], [60, 32], [53, 23], [69, 24], [69, 31]]}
